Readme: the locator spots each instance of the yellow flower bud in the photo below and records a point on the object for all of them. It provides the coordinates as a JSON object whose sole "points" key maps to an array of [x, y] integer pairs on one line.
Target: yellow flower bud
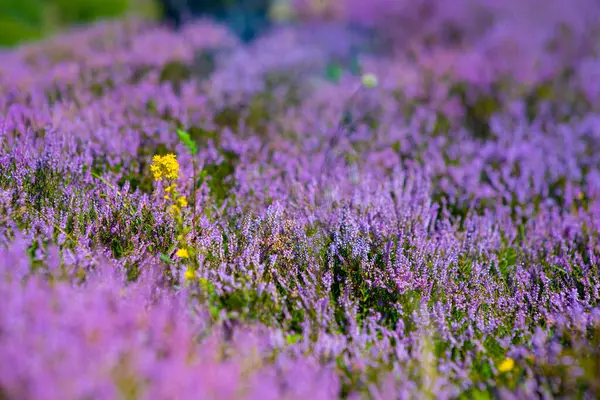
{"points": [[507, 365], [182, 201], [182, 253], [189, 274]]}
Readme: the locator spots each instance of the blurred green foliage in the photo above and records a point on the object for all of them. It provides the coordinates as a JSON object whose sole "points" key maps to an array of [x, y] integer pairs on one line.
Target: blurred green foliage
{"points": [[25, 20]]}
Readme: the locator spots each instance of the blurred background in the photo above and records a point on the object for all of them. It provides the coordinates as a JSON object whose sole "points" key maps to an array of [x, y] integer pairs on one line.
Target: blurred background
{"points": [[26, 20], [524, 40]]}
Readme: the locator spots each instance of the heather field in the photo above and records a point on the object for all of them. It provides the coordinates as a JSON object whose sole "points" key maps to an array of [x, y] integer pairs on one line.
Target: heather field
{"points": [[386, 199]]}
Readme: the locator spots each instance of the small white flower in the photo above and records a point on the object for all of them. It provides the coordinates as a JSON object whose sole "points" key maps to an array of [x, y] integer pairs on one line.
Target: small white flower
{"points": [[369, 81]]}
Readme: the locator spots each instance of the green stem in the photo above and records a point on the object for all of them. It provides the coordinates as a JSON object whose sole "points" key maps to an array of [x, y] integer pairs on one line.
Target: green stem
{"points": [[194, 163]]}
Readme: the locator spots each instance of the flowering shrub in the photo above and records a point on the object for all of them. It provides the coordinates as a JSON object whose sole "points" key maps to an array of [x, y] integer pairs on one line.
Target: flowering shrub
{"points": [[184, 216]]}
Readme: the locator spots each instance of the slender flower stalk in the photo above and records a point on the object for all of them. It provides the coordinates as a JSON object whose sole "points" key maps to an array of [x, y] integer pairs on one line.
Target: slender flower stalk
{"points": [[167, 167]]}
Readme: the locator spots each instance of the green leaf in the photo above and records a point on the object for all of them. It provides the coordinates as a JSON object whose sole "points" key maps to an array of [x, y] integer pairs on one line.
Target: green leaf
{"points": [[188, 141], [556, 267], [214, 312], [334, 72], [481, 395], [165, 258], [207, 286], [508, 260], [293, 339], [201, 177]]}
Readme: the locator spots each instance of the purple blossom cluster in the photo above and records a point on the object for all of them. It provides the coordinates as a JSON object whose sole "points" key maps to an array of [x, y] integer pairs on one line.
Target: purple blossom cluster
{"points": [[433, 235]]}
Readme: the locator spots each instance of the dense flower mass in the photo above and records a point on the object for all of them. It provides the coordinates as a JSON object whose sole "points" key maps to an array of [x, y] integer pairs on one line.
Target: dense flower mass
{"points": [[323, 213]]}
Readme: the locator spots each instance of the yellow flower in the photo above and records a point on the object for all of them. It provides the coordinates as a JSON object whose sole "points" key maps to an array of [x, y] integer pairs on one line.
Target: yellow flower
{"points": [[507, 365], [189, 274], [174, 209], [165, 167], [168, 189], [182, 201], [182, 253]]}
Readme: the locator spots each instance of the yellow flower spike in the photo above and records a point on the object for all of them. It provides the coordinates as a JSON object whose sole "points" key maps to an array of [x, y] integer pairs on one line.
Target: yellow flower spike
{"points": [[189, 274], [167, 197], [165, 167], [174, 209], [507, 365], [182, 253], [182, 201]]}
